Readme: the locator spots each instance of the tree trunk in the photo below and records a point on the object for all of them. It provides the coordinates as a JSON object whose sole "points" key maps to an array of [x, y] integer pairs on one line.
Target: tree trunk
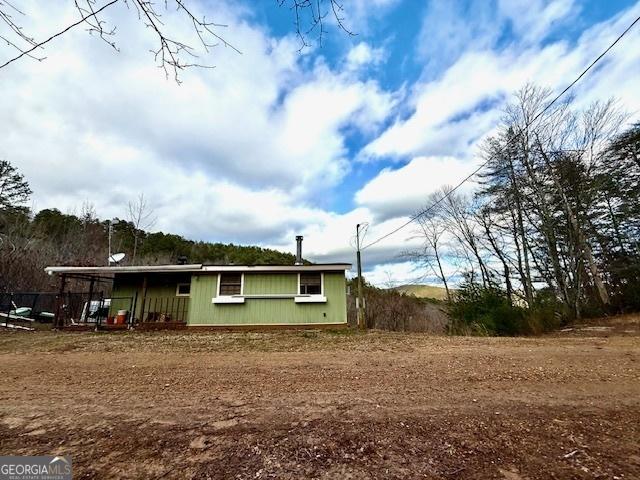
{"points": [[442, 275], [526, 280], [585, 248], [135, 249]]}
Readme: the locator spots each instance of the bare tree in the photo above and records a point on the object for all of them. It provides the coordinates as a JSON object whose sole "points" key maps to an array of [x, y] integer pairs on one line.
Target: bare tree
{"points": [[543, 195], [88, 213], [458, 212], [432, 232], [172, 54], [498, 242], [140, 214]]}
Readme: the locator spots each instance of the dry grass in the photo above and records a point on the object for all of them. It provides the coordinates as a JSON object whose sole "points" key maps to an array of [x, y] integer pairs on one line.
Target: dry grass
{"points": [[319, 404], [47, 341], [171, 341]]}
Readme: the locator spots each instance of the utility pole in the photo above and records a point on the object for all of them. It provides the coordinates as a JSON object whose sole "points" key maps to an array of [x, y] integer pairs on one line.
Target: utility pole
{"points": [[360, 300], [113, 222]]}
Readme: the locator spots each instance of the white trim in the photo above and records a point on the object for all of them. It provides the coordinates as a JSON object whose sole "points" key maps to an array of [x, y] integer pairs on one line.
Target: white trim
{"points": [[178, 294], [270, 295], [228, 299], [226, 296], [311, 299], [321, 285], [332, 267], [130, 269], [198, 267]]}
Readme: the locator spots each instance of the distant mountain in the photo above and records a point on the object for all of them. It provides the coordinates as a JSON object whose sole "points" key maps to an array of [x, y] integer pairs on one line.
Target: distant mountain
{"points": [[423, 291]]}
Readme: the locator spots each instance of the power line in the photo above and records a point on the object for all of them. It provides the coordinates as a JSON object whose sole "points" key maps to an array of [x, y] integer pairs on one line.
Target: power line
{"points": [[527, 125]]}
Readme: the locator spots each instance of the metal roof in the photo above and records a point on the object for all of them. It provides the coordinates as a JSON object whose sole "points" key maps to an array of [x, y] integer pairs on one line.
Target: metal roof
{"points": [[198, 267], [129, 269], [316, 267]]}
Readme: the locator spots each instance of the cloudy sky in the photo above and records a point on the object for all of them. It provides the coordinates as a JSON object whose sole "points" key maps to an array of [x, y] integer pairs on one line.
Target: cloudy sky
{"points": [[277, 141]]}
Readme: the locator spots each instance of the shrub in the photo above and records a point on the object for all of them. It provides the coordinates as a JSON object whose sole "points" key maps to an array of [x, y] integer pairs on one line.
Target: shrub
{"points": [[389, 309], [479, 310]]}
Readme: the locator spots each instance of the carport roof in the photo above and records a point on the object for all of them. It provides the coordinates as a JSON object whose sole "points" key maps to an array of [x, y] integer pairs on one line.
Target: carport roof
{"points": [[197, 267]]}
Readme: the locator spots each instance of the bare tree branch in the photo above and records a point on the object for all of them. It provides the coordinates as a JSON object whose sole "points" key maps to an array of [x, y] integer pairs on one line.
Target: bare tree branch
{"points": [[61, 32], [140, 214], [172, 54], [309, 18]]}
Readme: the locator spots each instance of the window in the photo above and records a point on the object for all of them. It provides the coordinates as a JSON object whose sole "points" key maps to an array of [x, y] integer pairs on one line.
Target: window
{"points": [[310, 284], [183, 290], [230, 284]]}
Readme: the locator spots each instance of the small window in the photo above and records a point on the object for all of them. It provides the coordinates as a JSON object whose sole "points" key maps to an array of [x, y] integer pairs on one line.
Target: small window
{"points": [[183, 290], [230, 284], [310, 284]]}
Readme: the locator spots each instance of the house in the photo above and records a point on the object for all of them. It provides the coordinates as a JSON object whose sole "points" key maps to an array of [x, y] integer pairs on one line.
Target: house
{"points": [[226, 296]]}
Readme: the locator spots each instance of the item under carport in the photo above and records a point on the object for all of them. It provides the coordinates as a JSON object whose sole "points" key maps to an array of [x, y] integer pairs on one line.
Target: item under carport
{"points": [[121, 318]]}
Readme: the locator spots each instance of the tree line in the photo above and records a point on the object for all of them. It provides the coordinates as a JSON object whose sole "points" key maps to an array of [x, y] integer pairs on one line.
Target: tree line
{"points": [[554, 221], [30, 241]]}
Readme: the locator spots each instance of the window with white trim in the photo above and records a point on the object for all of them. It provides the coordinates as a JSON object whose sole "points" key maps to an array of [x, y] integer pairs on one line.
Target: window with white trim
{"points": [[183, 290], [310, 284], [230, 284]]}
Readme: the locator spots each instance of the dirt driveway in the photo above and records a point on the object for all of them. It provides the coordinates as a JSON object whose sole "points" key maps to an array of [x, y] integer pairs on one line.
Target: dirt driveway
{"points": [[326, 405]]}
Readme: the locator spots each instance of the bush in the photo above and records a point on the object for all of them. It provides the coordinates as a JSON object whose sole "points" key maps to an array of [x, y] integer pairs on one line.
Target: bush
{"points": [[389, 309], [478, 310], [547, 313]]}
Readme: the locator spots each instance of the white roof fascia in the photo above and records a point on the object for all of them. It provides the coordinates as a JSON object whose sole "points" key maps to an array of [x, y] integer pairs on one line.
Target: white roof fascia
{"points": [[128, 269], [334, 267]]}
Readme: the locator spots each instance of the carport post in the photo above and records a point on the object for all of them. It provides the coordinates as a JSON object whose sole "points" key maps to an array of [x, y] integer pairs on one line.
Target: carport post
{"points": [[59, 299], [6, 319], [144, 298], [86, 317]]}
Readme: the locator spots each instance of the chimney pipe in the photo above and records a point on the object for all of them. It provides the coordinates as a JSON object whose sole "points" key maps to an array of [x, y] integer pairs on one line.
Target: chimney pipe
{"points": [[299, 250]]}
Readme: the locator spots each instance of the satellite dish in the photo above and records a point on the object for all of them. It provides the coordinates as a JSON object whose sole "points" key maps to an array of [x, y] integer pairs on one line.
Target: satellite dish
{"points": [[116, 257]]}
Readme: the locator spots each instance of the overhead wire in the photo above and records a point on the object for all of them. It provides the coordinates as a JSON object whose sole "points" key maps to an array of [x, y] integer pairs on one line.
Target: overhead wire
{"points": [[415, 217]]}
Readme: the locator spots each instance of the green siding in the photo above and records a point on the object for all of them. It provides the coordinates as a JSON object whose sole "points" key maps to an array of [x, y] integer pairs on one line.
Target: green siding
{"points": [[255, 311], [122, 298], [161, 289], [267, 311], [270, 283], [203, 289]]}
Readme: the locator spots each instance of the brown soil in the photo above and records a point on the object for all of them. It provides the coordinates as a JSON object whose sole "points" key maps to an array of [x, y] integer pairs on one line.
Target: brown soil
{"points": [[327, 405]]}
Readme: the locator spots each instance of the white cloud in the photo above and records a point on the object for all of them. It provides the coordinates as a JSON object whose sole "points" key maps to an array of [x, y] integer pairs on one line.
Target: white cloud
{"points": [[358, 15], [233, 153], [250, 152], [363, 54], [451, 114], [450, 29], [394, 274], [542, 17], [402, 191]]}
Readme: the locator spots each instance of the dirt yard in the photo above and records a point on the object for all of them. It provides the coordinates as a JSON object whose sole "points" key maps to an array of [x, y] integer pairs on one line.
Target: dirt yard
{"points": [[327, 405]]}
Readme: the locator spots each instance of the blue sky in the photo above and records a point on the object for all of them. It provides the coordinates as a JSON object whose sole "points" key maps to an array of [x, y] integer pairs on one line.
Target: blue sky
{"points": [[406, 61], [277, 142]]}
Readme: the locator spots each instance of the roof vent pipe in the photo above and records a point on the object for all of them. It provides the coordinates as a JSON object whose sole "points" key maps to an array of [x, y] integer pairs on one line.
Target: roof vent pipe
{"points": [[299, 250]]}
